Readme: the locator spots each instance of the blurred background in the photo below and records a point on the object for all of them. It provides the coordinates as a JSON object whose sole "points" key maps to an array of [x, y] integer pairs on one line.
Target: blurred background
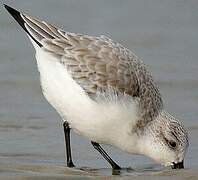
{"points": [[162, 33]]}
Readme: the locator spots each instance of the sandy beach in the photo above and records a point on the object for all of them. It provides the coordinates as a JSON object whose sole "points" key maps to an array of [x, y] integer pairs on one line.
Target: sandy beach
{"points": [[57, 172]]}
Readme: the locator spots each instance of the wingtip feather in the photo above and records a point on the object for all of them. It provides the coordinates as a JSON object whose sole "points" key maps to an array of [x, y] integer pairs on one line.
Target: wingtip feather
{"points": [[17, 16]]}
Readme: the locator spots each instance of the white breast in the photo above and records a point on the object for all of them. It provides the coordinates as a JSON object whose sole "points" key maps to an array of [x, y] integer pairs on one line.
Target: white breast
{"points": [[96, 121]]}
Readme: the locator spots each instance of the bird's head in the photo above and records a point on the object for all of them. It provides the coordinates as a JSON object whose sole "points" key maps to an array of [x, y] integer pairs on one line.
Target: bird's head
{"points": [[166, 141]]}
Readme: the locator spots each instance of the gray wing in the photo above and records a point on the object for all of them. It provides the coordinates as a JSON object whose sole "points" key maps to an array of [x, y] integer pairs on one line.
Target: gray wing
{"points": [[97, 64]]}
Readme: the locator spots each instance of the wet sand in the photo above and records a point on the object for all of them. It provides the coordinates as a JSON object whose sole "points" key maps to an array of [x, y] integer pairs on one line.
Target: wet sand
{"points": [[25, 171]]}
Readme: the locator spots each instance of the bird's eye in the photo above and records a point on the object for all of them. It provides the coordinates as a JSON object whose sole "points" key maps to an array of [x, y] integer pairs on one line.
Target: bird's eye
{"points": [[172, 144]]}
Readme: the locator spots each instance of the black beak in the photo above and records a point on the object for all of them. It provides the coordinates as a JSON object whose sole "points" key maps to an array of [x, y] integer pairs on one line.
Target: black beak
{"points": [[179, 165]]}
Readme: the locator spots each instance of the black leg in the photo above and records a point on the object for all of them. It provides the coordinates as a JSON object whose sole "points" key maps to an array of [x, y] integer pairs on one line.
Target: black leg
{"points": [[105, 155], [67, 143]]}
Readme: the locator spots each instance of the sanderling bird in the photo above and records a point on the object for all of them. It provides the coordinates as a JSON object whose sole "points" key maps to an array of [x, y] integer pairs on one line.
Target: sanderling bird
{"points": [[105, 93]]}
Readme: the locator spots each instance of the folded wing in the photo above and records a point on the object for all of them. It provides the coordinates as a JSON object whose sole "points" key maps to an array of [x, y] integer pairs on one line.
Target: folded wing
{"points": [[97, 64]]}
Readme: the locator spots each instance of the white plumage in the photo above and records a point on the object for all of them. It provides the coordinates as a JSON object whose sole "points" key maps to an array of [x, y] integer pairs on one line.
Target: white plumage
{"points": [[99, 121]]}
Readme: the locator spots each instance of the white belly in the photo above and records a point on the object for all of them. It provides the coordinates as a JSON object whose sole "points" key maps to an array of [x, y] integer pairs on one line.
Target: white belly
{"points": [[93, 120]]}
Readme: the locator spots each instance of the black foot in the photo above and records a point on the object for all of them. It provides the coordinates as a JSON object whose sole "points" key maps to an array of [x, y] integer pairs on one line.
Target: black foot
{"points": [[116, 166], [106, 156], [70, 164]]}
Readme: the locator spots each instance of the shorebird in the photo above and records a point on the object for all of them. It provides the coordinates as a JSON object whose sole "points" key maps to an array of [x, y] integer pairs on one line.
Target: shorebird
{"points": [[105, 93]]}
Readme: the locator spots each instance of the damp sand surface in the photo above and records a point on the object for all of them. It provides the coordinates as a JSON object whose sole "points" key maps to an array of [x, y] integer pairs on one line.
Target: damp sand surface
{"points": [[24, 171]]}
